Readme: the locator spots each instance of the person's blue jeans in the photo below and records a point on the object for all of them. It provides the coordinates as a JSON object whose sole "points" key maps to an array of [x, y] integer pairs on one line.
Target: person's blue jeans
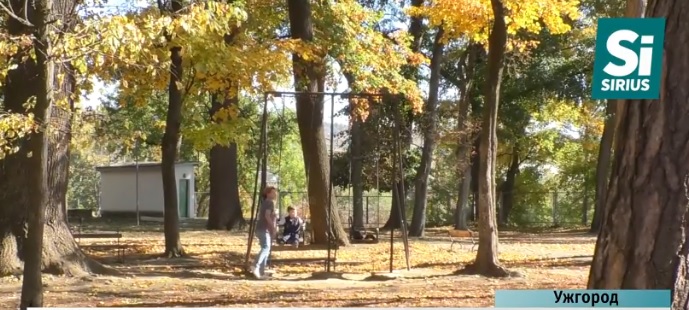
{"points": [[264, 240]]}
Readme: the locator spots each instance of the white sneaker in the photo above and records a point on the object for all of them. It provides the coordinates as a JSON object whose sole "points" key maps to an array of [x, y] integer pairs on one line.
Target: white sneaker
{"points": [[257, 273]]}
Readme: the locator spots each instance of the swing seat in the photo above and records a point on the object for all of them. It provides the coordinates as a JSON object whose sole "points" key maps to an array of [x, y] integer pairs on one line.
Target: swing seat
{"points": [[306, 247], [309, 247]]}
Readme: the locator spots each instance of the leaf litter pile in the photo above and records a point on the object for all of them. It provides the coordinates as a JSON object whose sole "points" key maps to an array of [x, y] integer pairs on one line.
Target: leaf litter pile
{"points": [[211, 274]]}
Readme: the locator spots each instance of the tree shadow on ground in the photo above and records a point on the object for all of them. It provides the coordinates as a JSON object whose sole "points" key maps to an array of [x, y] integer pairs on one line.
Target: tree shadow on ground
{"points": [[190, 266], [550, 262], [186, 274], [522, 239]]}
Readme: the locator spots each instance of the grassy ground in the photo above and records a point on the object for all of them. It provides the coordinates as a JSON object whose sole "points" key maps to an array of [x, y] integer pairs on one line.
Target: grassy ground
{"points": [[212, 274]]}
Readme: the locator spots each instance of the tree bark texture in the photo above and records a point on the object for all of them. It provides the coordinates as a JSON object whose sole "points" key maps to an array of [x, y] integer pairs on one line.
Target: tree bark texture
{"points": [[418, 221], [225, 209], [309, 78], [171, 143], [37, 174], [643, 240], [357, 162], [487, 262], [171, 137], [462, 209]]}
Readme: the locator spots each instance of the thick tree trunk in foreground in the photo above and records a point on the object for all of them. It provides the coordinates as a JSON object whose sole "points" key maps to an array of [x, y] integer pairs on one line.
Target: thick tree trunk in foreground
{"points": [[609, 139], [225, 209], [487, 262], [603, 165], [642, 243], [173, 244], [309, 77], [418, 221], [60, 252], [37, 174]]}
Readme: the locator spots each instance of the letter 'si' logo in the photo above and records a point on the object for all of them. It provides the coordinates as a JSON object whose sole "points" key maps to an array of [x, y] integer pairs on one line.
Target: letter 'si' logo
{"points": [[629, 54]]}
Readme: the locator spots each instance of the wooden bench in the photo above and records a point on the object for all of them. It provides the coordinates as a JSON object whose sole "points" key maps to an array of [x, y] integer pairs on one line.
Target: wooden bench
{"points": [[455, 234], [119, 246]]}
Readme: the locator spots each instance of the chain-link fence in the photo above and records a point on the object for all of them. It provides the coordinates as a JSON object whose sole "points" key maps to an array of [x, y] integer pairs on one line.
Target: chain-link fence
{"points": [[520, 209], [528, 209]]}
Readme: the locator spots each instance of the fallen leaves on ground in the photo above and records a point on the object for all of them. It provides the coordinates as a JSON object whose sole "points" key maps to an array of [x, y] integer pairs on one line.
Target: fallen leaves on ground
{"points": [[211, 275]]}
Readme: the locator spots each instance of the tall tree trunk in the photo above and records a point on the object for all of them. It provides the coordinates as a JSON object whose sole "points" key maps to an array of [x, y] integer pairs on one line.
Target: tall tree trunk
{"points": [[60, 252], [462, 208], [37, 174], [466, 136], [487, 262], [357, 181], [475, 169], [508, 186], [225, 210], [356, 157], [642, 243], [603, 165], [418, 221], [170, 145], [585, 206], [173, 121], [309, 77]]}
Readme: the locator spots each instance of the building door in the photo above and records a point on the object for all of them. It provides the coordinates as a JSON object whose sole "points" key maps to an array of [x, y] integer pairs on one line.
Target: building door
{"points": [[183, 204]]}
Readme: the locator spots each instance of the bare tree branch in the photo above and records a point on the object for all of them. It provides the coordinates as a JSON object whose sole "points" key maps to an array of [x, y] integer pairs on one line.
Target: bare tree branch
{"points": [[10, 12]]}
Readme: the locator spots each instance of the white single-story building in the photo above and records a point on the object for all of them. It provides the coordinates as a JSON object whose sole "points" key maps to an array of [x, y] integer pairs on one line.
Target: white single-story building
{"points": [[121, 185]]}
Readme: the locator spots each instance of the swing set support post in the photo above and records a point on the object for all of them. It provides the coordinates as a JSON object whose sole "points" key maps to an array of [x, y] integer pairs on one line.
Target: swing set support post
{"points": [[261, 169], [398, 172], [256, 197]]}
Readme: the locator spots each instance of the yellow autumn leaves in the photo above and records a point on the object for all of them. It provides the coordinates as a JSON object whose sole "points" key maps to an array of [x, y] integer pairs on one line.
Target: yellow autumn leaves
{"points": [[239, 44], [472, 19], [13, 127]]}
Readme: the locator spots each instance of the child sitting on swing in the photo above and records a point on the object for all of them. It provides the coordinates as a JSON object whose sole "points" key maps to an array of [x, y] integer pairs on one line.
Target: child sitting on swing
{"points": [[292, 224]]}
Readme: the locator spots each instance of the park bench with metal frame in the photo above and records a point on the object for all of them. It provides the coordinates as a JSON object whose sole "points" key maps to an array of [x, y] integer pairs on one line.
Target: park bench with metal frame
{"points": [[455, 238], [117, 235]]}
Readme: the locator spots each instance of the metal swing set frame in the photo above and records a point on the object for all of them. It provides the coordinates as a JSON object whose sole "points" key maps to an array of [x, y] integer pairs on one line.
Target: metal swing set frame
{"points": [[262, 171]]}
